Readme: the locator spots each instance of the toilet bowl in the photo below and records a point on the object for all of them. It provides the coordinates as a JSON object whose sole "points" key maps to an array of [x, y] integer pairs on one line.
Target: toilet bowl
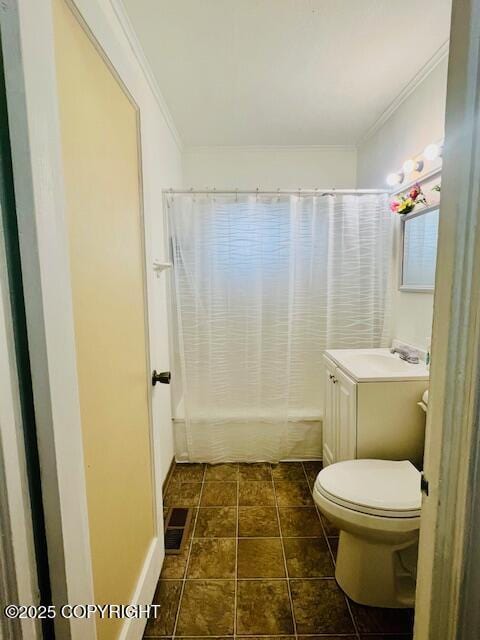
{"points": [[376, 506]]}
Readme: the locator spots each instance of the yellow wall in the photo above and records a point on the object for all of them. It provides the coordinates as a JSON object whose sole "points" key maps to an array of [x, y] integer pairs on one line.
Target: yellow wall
{"points": [[103, 205]]}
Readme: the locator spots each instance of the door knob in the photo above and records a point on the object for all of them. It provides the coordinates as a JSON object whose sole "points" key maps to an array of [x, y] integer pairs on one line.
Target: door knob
{"points": [[164, 377]]}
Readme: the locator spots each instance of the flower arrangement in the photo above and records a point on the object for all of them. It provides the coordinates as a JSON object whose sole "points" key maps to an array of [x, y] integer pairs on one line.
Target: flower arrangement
{"points": [[407, 202]]}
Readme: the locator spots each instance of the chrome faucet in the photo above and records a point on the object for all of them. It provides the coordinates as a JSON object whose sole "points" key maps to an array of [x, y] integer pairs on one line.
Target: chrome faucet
{"points": [[406, 354]]}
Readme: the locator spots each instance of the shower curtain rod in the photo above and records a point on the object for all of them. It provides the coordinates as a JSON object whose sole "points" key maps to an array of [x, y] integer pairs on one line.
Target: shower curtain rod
{"points": [[308, 192]]}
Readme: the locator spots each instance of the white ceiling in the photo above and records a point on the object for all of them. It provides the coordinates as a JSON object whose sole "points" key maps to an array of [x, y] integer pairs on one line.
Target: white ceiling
{"points": [[284, 72]]}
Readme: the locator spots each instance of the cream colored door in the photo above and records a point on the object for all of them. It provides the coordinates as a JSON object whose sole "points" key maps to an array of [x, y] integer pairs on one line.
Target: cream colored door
{"points": [[102, 176]]}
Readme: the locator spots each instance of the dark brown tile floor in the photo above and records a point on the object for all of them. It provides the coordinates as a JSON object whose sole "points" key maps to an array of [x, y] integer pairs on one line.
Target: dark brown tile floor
{"points": [[259, 562]]}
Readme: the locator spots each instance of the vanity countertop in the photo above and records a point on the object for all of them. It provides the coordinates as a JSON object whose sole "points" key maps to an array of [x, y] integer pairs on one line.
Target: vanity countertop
{"points": [[376, 365]]}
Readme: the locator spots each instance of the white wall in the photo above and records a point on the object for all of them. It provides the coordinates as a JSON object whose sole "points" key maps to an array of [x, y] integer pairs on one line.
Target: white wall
{"points": [[161, 169], [418, 121], [165, 171], [270, 167]]}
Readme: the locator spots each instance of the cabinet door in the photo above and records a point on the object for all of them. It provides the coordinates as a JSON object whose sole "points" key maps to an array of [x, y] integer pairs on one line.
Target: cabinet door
{"points": [[346, 417], [329, 414]]}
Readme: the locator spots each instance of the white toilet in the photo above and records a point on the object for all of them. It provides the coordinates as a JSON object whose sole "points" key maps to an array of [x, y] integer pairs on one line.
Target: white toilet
{"points": [[376, 505]]}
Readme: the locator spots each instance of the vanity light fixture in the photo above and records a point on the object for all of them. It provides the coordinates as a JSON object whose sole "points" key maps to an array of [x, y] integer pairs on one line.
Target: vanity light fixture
{"points": [[415, 165], [395, 178]]}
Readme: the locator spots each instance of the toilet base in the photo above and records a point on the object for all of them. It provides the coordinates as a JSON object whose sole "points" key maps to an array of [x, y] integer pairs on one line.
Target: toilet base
{"points": [[377, 575]]}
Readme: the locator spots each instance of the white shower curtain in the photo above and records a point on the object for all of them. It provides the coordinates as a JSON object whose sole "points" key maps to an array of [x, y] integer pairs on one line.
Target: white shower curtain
{"points": [[262, 286]]}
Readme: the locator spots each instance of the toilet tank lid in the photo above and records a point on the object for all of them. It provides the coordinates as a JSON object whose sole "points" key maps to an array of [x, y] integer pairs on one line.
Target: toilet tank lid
{"points": [[386, 485]]}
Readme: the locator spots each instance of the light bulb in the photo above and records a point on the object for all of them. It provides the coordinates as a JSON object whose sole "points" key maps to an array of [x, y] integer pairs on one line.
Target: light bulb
{"points": [[432, 151], [394, 178], [410, 165]]}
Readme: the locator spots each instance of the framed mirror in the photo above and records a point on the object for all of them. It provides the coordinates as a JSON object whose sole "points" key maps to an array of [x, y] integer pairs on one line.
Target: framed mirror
{"points": [[419, 234]]}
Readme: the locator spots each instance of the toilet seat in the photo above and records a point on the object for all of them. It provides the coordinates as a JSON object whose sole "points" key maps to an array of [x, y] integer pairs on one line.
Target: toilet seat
{"points": [[383, 488]]}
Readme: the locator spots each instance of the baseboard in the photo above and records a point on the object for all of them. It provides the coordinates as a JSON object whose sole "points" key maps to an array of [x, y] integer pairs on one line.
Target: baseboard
{"points": [[170, 471], [133, 629], [310, 459]]}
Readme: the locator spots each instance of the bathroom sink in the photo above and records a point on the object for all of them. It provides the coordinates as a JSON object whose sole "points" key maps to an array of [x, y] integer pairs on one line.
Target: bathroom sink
{"points": [[382, 362], [377, 364]]}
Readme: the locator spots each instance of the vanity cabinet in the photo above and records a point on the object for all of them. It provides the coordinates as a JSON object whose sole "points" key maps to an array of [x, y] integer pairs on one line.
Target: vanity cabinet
{"points": [[379, 419], [339, 424]]}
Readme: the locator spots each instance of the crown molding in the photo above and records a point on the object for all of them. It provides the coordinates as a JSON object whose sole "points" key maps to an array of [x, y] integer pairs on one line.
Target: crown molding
{"points": [[269, 148], [418, 78], [127, 28]]}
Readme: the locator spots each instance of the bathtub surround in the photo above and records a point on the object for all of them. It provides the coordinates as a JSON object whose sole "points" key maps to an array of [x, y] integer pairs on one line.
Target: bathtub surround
{"points": [[263, 284], [261, 570]]}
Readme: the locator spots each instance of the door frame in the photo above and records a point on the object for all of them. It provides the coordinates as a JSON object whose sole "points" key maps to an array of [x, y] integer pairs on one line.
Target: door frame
{"points": [[449, 565], [27, 39], [27, 35], [18, 549]]}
